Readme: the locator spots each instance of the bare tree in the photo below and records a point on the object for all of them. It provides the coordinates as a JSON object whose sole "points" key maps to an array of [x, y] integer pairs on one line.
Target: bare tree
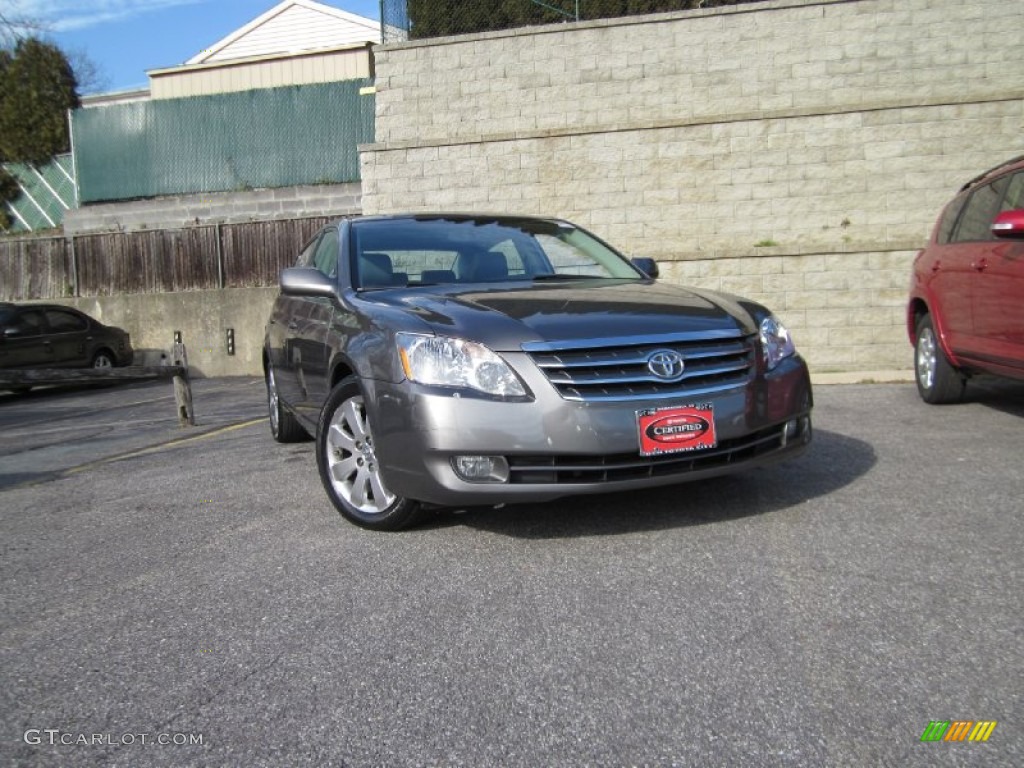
{"points": [[90, 76], [15, 26]]}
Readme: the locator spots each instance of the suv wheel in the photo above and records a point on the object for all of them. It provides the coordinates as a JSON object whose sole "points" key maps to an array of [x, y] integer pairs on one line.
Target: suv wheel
{"points": [[937, 380], [349, 469]]}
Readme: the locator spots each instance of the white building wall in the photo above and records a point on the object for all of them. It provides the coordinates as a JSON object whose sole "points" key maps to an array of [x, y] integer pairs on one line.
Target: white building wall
{"points": [[264, 72], [298, 29]]}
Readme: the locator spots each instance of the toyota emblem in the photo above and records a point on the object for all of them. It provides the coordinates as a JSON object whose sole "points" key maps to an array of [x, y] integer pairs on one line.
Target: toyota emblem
{"points": [[666, 364]]}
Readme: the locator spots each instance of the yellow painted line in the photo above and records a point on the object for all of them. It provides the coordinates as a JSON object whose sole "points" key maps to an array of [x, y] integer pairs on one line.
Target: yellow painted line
{"points": [[161, 447], [171, 396], [63, 473]]}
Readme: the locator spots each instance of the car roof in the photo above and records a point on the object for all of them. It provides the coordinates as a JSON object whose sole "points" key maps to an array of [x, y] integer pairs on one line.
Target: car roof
{"points": [[14, 305], [499, 218], [998, 170]]}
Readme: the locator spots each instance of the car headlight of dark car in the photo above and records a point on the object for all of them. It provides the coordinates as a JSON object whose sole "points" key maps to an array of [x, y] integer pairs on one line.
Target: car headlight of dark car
{"points": [[776, 343], [443, 361]]}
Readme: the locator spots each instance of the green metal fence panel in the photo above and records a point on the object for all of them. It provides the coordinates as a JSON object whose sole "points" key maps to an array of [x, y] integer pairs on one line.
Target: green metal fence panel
{"points": [[59, 176], [46, 192], [274, 137]]}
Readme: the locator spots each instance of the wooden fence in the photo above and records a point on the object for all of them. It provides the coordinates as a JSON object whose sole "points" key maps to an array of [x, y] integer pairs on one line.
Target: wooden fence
{"points": [[244, 255]]}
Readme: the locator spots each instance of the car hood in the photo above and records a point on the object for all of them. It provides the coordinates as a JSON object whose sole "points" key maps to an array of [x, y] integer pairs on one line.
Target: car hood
{"points": [[505, 317]]}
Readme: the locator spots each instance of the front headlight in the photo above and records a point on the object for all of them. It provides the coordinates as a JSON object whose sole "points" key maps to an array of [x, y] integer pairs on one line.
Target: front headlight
{"points": [[776, 343], [445, 362]]}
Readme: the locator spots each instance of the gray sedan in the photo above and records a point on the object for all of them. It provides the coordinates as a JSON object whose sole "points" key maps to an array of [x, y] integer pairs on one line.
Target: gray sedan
{"points": [[462, 360]]}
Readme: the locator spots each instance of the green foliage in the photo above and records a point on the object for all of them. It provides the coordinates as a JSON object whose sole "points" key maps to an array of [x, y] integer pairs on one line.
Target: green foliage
{"points": [[8, 184], [8, 191], [37, 87]]}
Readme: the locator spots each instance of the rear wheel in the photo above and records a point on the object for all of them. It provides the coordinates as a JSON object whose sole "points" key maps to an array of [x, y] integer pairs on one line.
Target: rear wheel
{"points": [[937, 380], [349, 468], [284, 427]]}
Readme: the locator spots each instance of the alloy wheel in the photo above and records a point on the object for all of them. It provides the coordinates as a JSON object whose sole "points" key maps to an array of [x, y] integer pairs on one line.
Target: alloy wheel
{"points": [[272, 401], [352, 461], [926, 358]]}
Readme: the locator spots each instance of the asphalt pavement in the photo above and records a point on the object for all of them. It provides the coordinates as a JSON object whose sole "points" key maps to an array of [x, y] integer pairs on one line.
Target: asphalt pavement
{"points": [[195, 586]]}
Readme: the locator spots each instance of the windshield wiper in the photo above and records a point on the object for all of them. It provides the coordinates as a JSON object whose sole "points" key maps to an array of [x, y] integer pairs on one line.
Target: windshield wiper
{"points": [[560, 276]]}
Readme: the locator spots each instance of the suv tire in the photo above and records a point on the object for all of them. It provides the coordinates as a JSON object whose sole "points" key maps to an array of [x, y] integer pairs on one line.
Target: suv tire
{"points": [[937, 380]]}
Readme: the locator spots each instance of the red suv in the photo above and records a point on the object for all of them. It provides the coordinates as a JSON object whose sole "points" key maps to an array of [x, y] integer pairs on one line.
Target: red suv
{"points": [[966, 310]]}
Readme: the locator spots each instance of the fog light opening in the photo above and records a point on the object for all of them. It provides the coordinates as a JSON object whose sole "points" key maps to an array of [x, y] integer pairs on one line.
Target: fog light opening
{"points": [[791, 430], [481, 469]]}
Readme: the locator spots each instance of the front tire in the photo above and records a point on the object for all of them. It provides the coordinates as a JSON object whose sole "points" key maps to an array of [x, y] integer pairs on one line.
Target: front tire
{"points": [[937, 380], [103, 359], [349, 468]]}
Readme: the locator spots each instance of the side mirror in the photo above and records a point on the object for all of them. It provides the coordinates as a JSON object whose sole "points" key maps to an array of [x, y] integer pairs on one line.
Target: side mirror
{"points": [[306, 281], [1009, 224], [646, 265]]}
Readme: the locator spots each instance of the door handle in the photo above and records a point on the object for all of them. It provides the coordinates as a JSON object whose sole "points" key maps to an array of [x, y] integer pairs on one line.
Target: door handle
{"points": [[936, 266], [979, 266]]}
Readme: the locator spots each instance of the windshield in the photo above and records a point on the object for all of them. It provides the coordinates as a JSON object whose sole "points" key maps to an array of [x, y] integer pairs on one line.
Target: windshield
{"points": [[431, 250]]}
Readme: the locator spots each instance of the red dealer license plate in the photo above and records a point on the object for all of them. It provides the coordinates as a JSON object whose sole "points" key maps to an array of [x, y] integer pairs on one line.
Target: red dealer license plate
{"points": [[676, 429]]}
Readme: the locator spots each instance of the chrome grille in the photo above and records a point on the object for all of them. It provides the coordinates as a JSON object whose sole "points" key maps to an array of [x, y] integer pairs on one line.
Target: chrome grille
{"points": [[616, 369]]}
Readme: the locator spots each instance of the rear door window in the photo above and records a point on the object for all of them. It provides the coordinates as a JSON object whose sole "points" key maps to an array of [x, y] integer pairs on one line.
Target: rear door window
{"points": [[64, 322]]}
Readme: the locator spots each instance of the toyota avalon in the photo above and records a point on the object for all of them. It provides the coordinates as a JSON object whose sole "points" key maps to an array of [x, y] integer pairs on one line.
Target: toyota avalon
{"points": [[450, 360]]}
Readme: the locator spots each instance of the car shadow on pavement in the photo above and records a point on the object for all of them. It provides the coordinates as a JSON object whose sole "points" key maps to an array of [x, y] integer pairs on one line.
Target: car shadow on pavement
{"points": [[832, 461], [1000, 394], [42, 392], [17, 479]]}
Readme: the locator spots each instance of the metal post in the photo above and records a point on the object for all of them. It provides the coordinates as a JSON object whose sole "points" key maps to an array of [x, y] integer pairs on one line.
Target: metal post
{"points": [[220, 258], [182, 384], [74, 267]]}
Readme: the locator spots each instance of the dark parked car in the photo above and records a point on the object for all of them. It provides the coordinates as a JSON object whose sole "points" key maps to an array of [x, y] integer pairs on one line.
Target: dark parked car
{"points": [[458, 360], [54, 336], [966, 309]]}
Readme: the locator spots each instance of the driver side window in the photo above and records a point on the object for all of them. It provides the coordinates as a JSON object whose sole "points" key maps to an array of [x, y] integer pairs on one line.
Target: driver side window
{"points": [[982, 207], [306, 257], [1014, 199], [326, 257], [27, 324]]}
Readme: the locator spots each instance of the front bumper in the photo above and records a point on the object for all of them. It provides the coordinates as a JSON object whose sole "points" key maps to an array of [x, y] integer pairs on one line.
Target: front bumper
{"points": [[555, 447]]}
